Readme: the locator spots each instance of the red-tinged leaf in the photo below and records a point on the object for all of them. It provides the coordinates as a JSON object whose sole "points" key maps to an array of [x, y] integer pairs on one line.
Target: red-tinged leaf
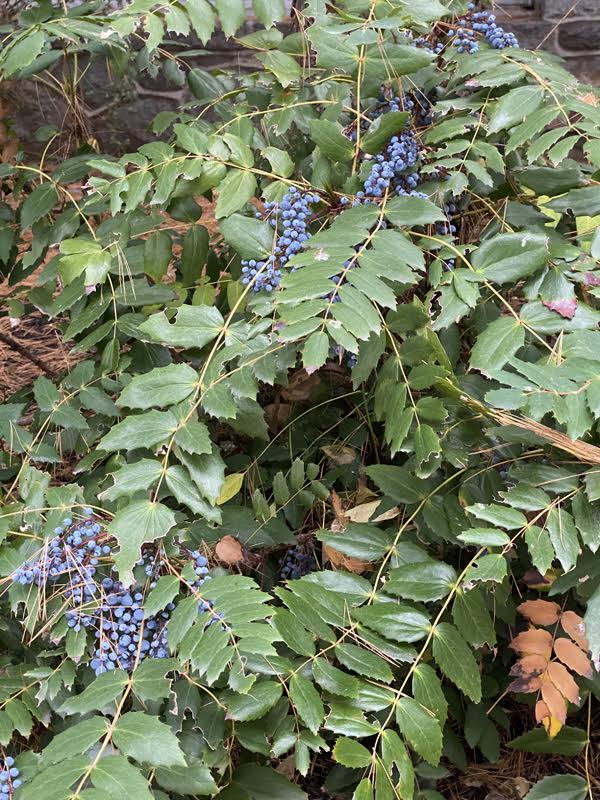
{"points": [[573, 657], [592, 279], [566, 308], [555, 701], [563, 680], [529, 665], [534, 641], [540, 612], [573, 624], [525, 684]]}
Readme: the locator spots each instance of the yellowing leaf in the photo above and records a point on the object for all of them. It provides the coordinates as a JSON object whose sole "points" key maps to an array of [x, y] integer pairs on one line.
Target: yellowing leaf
{"points": [[231, 486]]}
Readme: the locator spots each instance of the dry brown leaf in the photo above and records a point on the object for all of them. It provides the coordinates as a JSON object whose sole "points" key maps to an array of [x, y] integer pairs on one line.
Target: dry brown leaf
{"points": [[575, 627], [229, 550], [573, 657], [300, 386], [540, 612], [277, 416], [365, 512], [525, 684], [555, 701], [563, 680], [340, 561], [533, 641], [589, 98], [340, 454], [529, 665]]}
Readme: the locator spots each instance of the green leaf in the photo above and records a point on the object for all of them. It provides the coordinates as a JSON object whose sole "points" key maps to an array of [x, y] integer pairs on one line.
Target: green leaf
{"points": [[430, 580], [455, 658], [280, 160], [358, 541], [330, 140], [293, 633], [118, 778], [100, 693], [75, 740], [166, 589], [235, 190], [411, 211], [181, 483], [148, 679], [263, 783], [285, 68], [559, 787], [508, 257], [147, 740], [22, 52], [351, 753], [194, 326], [515, 106], [254, 705], [157, 255], [592, 623], [334, 680], [143, 430], [484, 537], [39, 203], [497, 344], [232, 14], [133, 478], [400, 623], [382, 130], [501, 516], [315, 352], [250, 237], [427, 691], [202, 18], [163, 386], [55, 782], [364, 662], [568, 742], [193, 779], [563, 536], [307, 702], [139, 522], [421, 729]]}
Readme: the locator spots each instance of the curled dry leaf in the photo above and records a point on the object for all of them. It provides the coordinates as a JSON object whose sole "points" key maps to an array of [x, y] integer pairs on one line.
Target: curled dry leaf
{"points": [[229, 550], [339, 454], [555, 701], [529, 665], [573, 657], [573, 624], [540, 612], [563, 680], [340, 561], [533, 641], [300, 386]]}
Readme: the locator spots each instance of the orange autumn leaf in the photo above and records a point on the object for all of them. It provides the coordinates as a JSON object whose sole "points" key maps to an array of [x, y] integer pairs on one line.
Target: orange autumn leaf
{"points": [[555, 701], [533, 641], [229, 550], [573, 625], [540, 612], [563, 680], [529, 665], [541, 711], [573, 657]]}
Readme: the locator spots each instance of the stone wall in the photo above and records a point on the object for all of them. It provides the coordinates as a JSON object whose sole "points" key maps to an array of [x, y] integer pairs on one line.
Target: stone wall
{"points": [[570, 28]]}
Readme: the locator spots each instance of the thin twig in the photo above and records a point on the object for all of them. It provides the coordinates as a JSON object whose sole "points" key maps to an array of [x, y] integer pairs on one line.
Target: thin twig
{"points": [[19, 348]]}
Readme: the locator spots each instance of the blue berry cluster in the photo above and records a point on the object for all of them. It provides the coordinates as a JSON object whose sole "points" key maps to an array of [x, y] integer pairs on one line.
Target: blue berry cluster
{"points": [[447, 227], [434, 47], [78, 561], [290, 219], [484, 23], [9, 778], [298, 561], [123, 636], [393, 168], [73, 555]]}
